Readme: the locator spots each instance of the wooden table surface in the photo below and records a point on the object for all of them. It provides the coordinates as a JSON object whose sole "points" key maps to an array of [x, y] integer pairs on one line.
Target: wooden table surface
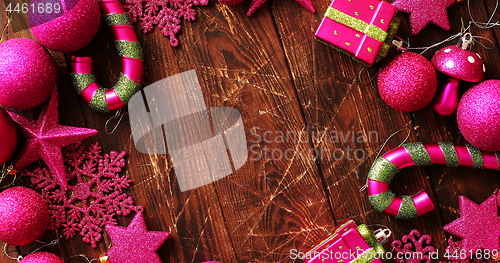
{"points": [[271, 69]]}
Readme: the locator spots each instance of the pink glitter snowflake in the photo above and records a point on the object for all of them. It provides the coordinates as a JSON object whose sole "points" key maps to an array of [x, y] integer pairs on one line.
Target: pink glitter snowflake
{"points": [[411, 248], [95, 193], [167, 14]]}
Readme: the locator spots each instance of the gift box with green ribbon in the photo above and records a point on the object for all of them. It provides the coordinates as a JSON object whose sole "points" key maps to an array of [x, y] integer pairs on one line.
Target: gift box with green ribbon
{"points": [[347, 243], [363, 29]]}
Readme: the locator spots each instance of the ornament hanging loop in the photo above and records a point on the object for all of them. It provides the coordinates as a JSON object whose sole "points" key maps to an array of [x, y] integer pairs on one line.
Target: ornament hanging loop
{"points": [[467, 40]]}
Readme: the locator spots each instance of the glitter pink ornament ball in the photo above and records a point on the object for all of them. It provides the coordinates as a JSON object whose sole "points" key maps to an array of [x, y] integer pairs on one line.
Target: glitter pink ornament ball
{"points": [[407, 82], [41, 257], [478, 115], [8, 137], [24, 216], [71, 28], [27, 74]]}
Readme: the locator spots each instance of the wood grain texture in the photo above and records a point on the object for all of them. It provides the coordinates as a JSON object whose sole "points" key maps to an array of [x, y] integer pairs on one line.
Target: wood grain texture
{"points": [[314, 123]]}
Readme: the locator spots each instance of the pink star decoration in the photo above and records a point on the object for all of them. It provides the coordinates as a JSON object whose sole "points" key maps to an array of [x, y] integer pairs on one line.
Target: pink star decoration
{"points": [[135, 243], [424, 11], [478, 225], [45, 138], [256, 4]]}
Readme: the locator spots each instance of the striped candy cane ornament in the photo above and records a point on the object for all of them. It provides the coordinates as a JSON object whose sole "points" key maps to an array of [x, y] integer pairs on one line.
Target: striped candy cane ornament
{"points": [[129, 49], [385, 167]]}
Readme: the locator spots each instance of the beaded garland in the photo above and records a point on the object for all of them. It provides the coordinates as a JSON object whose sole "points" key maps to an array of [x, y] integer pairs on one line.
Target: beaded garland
{"points": [[130, 51]]}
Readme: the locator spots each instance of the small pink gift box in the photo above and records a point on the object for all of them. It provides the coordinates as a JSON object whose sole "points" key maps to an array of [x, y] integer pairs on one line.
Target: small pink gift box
{"points": [[362, 29], [347, 243]]}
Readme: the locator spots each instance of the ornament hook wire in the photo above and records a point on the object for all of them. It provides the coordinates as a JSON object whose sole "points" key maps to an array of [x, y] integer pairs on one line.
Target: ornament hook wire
{"points": [[383, 146], [118, 114], [18, 258]]}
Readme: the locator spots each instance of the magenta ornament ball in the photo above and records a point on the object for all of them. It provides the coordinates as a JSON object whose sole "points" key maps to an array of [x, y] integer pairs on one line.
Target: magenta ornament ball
{"points": [[407, 82], [41, 257], [478, 115], [69, 30], [27, 74], [24, 216], [8, 137]]}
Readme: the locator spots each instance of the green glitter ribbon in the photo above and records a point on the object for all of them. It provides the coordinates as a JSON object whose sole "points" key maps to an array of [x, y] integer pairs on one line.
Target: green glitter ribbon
{"points": [[418, 153], [117, 19], [449, 154], [129, 49], [370, 30], [82, 81]]}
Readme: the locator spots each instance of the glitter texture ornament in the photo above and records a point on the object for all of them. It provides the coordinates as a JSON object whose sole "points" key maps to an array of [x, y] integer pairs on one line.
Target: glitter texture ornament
{"points": [[423, 11], [99, 98], [8, 137], [167, 15], [407, 82], [27, 74], [415, 244], [135, 243], [41, 257], [256, 4], [23, 216], [459, 64], [93, 200], [45, 138], [477, 115], [478, 225], [68, 30]]}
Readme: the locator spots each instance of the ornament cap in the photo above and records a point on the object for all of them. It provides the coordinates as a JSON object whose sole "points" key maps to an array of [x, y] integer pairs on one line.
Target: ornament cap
{"points": [[104, 259]]}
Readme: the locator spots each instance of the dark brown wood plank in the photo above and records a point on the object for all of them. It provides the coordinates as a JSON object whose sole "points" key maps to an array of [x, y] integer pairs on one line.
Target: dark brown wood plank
{"points": [[270, 205], [185, 215], [336, 101]]}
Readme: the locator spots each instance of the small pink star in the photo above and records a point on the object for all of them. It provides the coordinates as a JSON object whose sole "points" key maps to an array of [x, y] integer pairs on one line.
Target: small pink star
{"points": [[256, 4], [45, 138], [135, 243], [424, 11], [478, 225]]}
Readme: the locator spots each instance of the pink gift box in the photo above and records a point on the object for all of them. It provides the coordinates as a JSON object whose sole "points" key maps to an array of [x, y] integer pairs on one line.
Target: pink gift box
{"points": [[346, 244], [361, 28]]}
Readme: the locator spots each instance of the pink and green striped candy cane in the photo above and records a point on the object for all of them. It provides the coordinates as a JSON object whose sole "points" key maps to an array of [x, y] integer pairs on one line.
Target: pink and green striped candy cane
{"points": [[385, 167], [129, 49]]}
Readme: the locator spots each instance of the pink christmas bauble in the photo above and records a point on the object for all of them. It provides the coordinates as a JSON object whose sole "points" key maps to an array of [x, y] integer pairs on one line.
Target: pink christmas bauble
{"points": [[230, 2], [24, 216], [41, 257], [8, 137], [68, 30], [407, 82], [27, 74], [478, 115]]}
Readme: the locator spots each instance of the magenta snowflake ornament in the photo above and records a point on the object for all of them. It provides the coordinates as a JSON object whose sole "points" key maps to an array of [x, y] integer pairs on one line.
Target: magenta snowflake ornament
{"points": [[166, 14], [94, 196], [414, 244]]}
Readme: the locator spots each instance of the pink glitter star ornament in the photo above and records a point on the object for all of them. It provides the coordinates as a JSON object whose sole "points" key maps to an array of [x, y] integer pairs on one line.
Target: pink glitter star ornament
{"points": [[424, 11], [135, 243], [45, 138], [478, 225], [256, 4]]}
